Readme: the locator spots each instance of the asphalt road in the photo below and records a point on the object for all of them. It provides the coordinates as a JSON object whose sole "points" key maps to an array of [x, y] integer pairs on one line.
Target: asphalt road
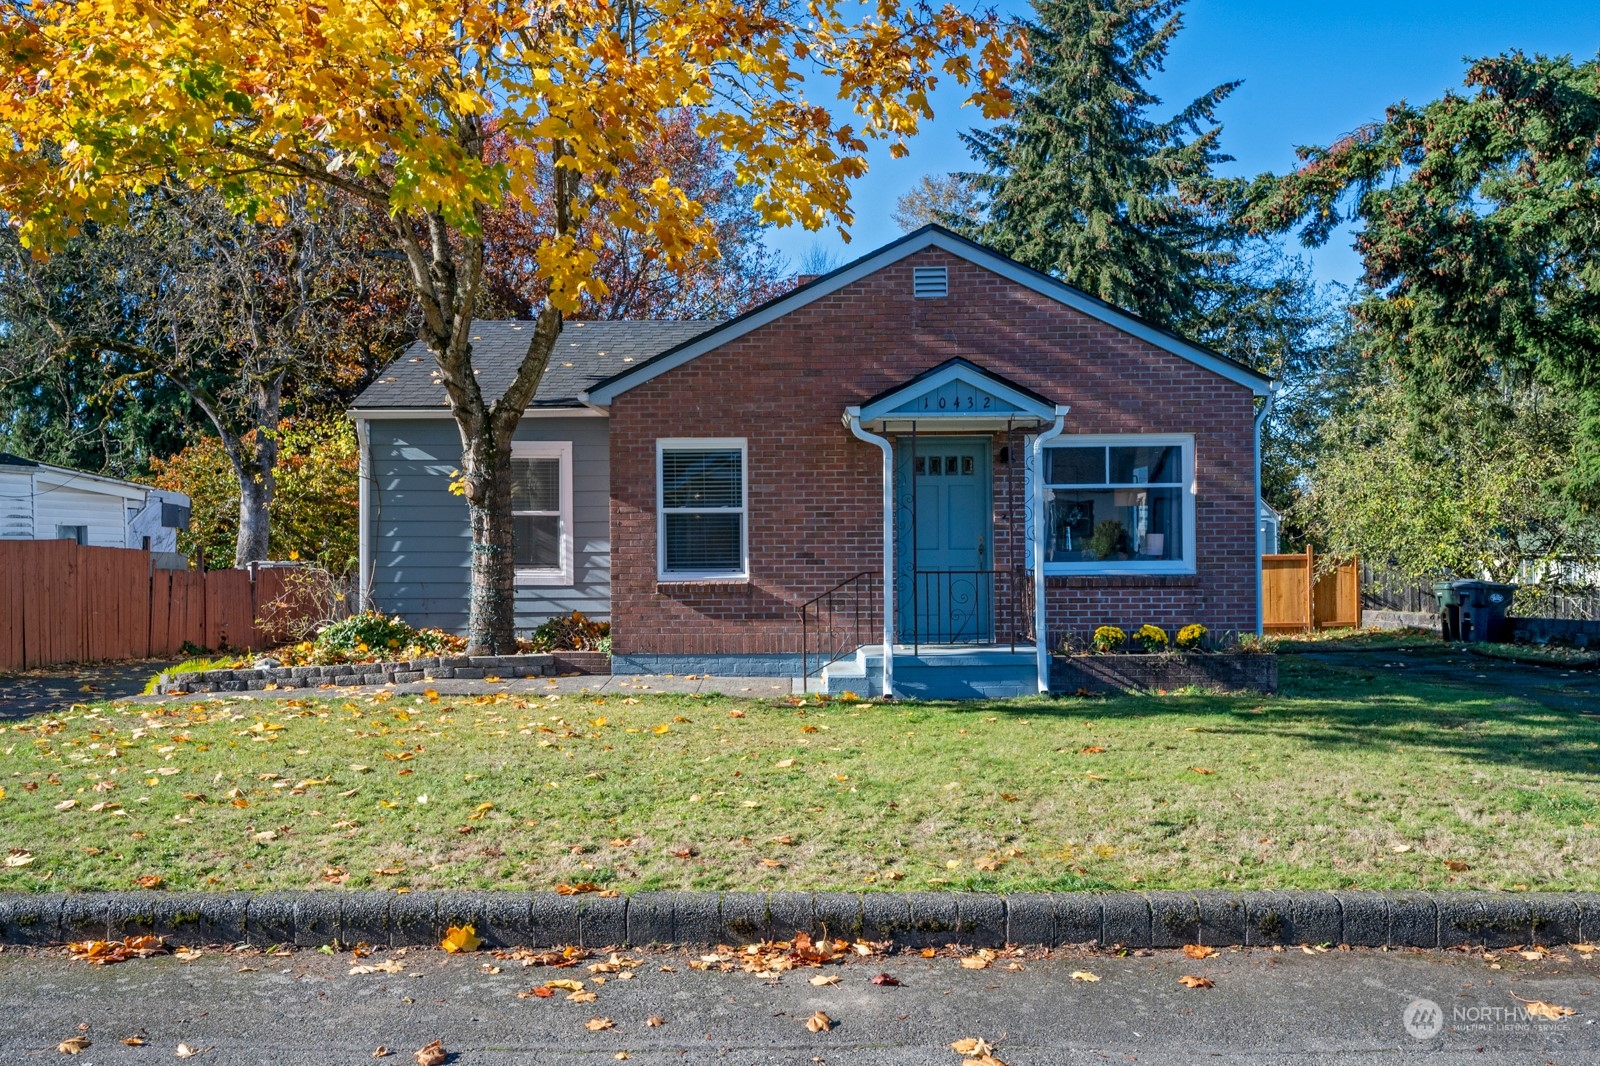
{"points": [[55, 688], [1267, 1006]]}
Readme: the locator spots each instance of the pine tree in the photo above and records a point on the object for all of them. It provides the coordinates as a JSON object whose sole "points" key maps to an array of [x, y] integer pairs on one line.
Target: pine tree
{"points": [[1083, 183]]}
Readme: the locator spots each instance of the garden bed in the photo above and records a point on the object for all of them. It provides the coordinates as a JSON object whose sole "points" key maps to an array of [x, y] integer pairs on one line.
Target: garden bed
{"points": [[1164, 672], [408, 671]]}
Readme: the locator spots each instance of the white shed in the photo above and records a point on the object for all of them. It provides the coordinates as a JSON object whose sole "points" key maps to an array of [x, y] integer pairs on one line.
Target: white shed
{"points": [[1267, 522], [43, 502]]}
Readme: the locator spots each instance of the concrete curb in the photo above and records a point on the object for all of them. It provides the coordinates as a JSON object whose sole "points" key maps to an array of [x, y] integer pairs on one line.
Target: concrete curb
{"points": [[539, 919]]}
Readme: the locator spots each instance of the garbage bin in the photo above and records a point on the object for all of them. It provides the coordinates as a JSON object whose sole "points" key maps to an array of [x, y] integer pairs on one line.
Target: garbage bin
{"points": [[1449, 609], [1474, 610]]}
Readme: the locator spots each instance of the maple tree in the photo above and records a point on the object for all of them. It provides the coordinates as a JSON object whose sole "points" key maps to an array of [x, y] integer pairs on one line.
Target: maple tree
{"points": [[394, 105]]}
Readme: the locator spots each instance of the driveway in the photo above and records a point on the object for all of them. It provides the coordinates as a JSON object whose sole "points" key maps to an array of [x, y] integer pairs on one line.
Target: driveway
{"points": [[1294, 1005], [1557, 688], [42, 691]]}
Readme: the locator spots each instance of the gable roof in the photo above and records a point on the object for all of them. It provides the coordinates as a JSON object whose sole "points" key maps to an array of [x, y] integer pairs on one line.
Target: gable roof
{"points": [[929, 236], [936, 397], [585, 353]]}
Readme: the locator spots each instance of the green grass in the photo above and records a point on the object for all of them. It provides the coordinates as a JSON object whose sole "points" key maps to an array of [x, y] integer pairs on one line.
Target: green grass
{"points": [[1311, 789], [1355, 640]]}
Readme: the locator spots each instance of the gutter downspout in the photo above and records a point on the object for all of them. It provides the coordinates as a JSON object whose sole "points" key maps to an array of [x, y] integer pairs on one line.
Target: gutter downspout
{"points": [[1255, 506], [364, 510], [1041, 635], [853, 417]]}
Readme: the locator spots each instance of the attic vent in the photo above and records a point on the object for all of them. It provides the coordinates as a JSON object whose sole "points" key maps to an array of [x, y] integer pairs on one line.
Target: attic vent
{"points": [[930, 283]]}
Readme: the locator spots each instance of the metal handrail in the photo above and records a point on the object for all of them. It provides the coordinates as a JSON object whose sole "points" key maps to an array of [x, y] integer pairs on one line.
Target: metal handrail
{"points": [[994, 601], [853, 598]]}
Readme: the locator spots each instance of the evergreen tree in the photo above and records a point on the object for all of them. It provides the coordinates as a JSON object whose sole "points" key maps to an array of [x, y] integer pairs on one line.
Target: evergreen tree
{"points": [[1084, 183]]}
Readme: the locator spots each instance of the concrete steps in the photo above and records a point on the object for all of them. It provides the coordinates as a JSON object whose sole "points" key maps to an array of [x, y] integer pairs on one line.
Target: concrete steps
{"points": [[933, 673]]}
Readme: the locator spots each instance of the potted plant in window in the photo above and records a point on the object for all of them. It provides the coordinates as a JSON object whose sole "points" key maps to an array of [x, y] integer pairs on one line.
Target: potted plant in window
{"points": [[1110, 540]]}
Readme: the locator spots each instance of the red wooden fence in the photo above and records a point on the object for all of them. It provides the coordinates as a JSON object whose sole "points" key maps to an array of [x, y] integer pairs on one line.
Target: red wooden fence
{"points": [[61, 602]]}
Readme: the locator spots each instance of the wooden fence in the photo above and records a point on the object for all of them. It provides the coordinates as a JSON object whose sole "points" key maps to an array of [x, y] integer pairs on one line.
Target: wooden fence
{"points": [[1295, 597], [1383, 590], [61, 602]]}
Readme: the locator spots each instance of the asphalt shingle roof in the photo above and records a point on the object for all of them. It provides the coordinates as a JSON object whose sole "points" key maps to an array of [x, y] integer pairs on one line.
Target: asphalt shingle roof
{"points": [[586, 352]]}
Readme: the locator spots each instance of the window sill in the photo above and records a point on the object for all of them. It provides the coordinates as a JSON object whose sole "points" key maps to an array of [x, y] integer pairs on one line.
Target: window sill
{"points": [[545, 581], [670, 581], [1122, 580]]}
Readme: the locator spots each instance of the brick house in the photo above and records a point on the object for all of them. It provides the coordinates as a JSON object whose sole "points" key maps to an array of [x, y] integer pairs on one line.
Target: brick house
{"points": [[889, 455]]}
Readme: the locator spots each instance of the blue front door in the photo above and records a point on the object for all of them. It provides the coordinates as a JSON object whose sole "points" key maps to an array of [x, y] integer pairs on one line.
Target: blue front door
{"points": [[944, 540]]}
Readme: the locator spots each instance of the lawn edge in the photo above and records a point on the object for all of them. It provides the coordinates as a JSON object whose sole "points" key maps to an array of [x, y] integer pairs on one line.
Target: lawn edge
{"points": [[1163, 919]]}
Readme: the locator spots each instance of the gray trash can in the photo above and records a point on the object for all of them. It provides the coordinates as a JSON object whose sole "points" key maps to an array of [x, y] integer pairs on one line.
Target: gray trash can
{"points": [[1480, 609]]}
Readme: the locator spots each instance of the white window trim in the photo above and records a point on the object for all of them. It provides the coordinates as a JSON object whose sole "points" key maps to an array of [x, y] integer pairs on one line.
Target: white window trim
{"points": [[561, 577], [665, 576], [1129, 568]]}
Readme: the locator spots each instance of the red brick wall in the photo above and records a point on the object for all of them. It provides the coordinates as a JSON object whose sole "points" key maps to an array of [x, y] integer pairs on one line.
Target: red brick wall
{"points": [[815, 514]]}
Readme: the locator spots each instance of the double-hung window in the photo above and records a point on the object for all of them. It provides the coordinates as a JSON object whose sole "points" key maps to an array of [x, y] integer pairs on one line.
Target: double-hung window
{"points": [[541, 506], [702, 520], [1119, 505]]}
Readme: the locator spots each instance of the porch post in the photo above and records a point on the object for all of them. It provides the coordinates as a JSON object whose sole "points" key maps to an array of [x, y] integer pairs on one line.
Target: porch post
{"points": [[853, 416], [1041, 634]]}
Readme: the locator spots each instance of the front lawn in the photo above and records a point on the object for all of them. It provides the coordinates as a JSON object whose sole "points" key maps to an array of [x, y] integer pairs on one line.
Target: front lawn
{"points": [[1351, 778]]}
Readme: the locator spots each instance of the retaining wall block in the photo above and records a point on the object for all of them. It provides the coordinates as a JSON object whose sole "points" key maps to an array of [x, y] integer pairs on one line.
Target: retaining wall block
{"points": [[837, 914], [934, 921], [555, 920], [1319, 919], [1222, 917], [1363, 919], [602, 922], [885, 916], [1413, 920], [33, 920], [364, 918], [1080, 918], [651, 919], [1174, 919], [1031, 919], [1127, 920], [413, 919], [84, 916], [982, 919]]}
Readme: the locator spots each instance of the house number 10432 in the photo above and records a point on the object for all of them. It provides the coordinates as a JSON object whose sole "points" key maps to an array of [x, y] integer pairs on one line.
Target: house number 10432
{"points": [[968, 402]]}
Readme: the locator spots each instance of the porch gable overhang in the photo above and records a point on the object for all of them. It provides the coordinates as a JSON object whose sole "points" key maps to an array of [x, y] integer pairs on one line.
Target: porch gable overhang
{"points": [[957, 395]]}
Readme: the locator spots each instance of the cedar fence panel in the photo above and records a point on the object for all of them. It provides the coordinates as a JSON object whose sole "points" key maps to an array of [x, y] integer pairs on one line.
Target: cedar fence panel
{"points": [[1294, 598], [61, 603]]}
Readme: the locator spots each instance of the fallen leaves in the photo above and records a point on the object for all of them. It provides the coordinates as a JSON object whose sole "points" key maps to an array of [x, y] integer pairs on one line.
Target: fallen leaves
{"points": [[1538, 1008], [577, 889], [976, 1051], [184, 1051], [74, 1045], [595, 1025], [381, 1052], [1201, 770], [819, 1023], [433, 1054], [148, 881], [824, 979], [886, 980], [1085, 975], [655, 1021], [19, 857], [1457, 866], [387, 966], [460, 938], [979, 961], [1189, 980], [105, 952], [1197, 951]]}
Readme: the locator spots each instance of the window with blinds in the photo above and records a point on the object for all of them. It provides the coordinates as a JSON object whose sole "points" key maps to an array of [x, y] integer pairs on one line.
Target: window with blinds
{"points": [[702, 514], [541, 508]]}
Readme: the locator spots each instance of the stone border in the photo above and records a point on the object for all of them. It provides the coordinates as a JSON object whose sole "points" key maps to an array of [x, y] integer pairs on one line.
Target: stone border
{"points": [[910, 919], [411, 671]]}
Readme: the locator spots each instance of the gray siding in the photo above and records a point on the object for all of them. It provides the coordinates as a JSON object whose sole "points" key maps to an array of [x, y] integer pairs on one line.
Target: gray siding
{"points": [[420, 539]]}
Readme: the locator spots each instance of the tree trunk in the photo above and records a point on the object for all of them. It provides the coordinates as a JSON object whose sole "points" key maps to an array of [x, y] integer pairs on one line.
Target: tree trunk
{"points": [[491, 617], [255, 494]]}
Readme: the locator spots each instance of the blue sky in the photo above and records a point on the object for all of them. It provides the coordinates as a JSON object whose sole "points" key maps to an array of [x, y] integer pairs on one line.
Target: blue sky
{"points": [[1311, 71]]}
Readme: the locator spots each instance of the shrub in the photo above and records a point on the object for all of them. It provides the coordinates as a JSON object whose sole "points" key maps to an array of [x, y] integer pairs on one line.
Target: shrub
{"points": [[572, 632], [374, 635], [1109, 638], [1110, 539], [1191, 636], [1151, 638]]}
